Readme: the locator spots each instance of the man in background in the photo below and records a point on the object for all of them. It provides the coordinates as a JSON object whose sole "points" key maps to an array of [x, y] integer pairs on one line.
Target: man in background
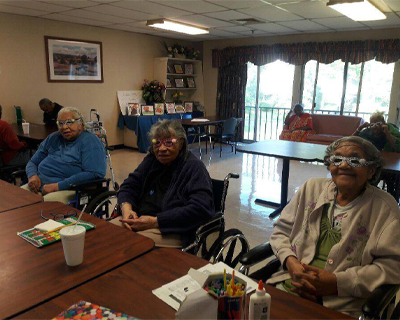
{"points": [[50, 110], [12, 151]]}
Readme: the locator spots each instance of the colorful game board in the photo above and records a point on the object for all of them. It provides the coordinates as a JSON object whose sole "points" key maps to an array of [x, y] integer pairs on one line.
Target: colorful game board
{"points": [[41, 239], [87, 310]]}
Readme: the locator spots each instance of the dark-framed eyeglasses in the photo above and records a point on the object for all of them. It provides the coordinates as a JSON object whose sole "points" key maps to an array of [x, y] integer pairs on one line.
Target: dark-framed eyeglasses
{"points": [[57, 216], [353, 162], [166, 142], [68, 122]]}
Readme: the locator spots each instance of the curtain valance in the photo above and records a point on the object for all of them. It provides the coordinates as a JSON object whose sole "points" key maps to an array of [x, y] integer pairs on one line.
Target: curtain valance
{"points": [[386, 51]]}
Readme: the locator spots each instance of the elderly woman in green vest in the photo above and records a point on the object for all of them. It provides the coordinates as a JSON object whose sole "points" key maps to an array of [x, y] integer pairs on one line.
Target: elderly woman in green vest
{"points": [[338, 238]]}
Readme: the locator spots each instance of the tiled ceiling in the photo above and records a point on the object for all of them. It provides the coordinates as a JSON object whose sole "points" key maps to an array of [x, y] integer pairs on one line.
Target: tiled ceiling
{"points": [[276, 17]]}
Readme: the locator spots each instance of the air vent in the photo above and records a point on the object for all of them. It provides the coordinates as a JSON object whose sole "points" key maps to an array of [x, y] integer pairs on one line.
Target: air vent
{"points": [[247, 22]]}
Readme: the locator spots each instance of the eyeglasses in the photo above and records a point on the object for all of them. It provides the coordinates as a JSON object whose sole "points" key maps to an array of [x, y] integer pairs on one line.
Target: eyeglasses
{"points": [[68, 122], [58, 216], [376, 124], [353, 162], [166, 142]]}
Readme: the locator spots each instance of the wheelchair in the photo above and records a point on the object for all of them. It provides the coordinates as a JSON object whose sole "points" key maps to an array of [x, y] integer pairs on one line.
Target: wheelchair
{"points": [[86, 191], [378, 306]]}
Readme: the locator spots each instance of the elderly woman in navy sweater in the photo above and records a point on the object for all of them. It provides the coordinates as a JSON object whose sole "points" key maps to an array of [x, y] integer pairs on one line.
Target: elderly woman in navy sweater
{"points": [[68, 156], [170, 194]]}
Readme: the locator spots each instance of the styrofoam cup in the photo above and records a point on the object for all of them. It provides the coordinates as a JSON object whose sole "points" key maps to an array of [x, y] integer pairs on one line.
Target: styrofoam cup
{"points": [[25, 127], [73, 241]]}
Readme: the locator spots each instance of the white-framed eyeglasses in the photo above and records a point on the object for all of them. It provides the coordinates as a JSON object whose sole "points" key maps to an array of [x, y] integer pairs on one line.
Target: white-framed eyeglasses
{"points": [[68, 122], [353, 162]]}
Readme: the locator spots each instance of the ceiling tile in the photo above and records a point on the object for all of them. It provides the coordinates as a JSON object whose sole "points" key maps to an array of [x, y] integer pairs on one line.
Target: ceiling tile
{"points": [[279, 2], [35, 5], [392, 20], [151, 8], [65, 18], [270, 13], [304, 25], [194, 6], [339, 23], [235, 29], [237, 4], [19, 10], [73, 3], [393, 4], [122, 12], [256, 33], [105, 1], [228, 15], [272, 27], [81, 13], [311, 9], [128, 28], [203, 21], [222, 33]]}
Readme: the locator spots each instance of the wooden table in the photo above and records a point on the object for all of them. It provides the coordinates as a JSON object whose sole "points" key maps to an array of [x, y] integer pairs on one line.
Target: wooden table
{"points": [[13, 197], [37, 132], [128, 289], [30, 276], [289, 150]]}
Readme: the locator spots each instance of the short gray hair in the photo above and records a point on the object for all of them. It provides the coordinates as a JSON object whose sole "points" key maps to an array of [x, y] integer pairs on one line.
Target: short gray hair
{"points": [[77, 114], [164, 128], [378, 114], [371, 153]]}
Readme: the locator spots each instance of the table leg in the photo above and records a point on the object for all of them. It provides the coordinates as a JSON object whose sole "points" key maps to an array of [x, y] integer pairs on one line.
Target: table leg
{"points": [[284, 191]]}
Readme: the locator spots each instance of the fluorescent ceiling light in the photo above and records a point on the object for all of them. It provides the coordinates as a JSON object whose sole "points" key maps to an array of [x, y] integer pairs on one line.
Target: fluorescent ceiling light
{"points": [[357, 10], [176, 26]]}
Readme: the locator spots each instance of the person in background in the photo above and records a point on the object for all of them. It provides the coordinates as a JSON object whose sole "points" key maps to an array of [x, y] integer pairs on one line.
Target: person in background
{"points": [[170, 194], [337, 239], [69, 156], [298, 125], [12, 151], [50, 110], [384, 136]]}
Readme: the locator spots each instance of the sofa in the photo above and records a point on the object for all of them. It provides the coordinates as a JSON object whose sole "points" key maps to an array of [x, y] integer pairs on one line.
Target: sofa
{"points": [[329, 128]]}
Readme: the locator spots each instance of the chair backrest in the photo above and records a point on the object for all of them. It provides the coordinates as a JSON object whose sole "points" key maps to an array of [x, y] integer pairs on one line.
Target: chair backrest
{"points": [[218, 191], [229, 127]]}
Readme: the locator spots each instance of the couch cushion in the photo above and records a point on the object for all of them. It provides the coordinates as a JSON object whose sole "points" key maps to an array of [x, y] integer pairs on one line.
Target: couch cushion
{"points": [[322, 138], [335, 125]]}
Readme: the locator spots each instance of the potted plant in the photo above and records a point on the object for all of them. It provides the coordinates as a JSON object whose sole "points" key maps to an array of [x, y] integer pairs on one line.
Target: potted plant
{"points": [[177, 96], [170, 51], [193, 53], [179, 51], [153, 91]]}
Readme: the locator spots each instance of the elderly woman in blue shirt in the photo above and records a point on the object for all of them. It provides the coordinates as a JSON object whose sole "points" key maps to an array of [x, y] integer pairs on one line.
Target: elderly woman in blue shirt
{"points": [[69, 156]]}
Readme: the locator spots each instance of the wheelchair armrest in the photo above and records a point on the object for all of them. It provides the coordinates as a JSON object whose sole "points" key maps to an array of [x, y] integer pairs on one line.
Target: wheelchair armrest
{"points": [[379, 300], [88, 183], [257, 254]]}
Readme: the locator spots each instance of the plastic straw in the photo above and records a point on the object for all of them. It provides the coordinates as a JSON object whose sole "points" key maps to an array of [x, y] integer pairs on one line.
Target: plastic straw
{"points": [[80, 216]]}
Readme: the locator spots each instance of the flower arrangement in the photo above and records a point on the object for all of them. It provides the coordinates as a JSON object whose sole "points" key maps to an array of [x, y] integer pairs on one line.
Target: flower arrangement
{"points": [[193, 53], [168, 48], [153, 91], [176, 97], [179, 49]]}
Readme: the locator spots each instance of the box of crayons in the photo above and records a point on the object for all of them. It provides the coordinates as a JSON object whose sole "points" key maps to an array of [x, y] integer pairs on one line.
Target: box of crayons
{"points": [[230, 291]]}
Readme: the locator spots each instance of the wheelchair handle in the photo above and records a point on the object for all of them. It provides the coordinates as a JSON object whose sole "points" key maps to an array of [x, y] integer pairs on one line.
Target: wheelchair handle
{"points": [[234, 175]]}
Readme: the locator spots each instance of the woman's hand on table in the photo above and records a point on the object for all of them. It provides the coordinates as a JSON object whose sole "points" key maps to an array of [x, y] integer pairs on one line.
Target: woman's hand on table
{"points": [[141, 223], [34, 183], [128, 214], [49, 188]]}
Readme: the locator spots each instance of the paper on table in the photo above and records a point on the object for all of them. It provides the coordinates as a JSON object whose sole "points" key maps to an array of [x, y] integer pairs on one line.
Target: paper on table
{"points": [[199, 120]]}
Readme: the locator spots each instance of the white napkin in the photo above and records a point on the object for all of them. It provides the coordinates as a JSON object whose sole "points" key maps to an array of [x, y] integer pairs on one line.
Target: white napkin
{"points": [[48, 225]]}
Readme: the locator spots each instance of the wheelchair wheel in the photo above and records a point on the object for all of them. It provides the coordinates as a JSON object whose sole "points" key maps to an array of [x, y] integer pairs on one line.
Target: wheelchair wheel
{"points": [[231, 246], [104, 205]]}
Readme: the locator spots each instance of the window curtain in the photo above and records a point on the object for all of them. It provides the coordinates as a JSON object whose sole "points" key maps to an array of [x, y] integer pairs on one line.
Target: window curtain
{"points": [[232, 73], [231, 91]]}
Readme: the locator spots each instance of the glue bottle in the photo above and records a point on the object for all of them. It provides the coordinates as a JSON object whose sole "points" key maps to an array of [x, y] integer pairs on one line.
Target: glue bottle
{"points": [[260, 303]]}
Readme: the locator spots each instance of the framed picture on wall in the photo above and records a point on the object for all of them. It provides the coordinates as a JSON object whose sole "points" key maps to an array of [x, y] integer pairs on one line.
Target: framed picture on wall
{"points": [[179, 83], [170, 106], [178, 68], [148, 110], [188, 68], [169, 84], [188, 106], [71, 60], [190, 83], [159, 108], [169, 70]]}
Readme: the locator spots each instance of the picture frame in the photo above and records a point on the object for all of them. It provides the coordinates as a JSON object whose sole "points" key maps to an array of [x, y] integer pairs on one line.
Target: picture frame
{"points": [[72, 60], [179, 108], [179, 83], [188, 105], [188, 68], [170, 107], [148, 110], [159, 108], [134, 109], [169, 70], [190, 82], [178, 68], [169, 84]]}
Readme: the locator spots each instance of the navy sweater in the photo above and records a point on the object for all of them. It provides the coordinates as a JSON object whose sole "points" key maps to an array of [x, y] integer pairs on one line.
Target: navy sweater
{"points": [[188, 202]]}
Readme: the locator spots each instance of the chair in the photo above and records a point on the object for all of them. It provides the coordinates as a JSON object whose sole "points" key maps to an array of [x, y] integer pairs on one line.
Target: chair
{"points": [[6, 171], [376, 307], [212, 242], [226, 133]]}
